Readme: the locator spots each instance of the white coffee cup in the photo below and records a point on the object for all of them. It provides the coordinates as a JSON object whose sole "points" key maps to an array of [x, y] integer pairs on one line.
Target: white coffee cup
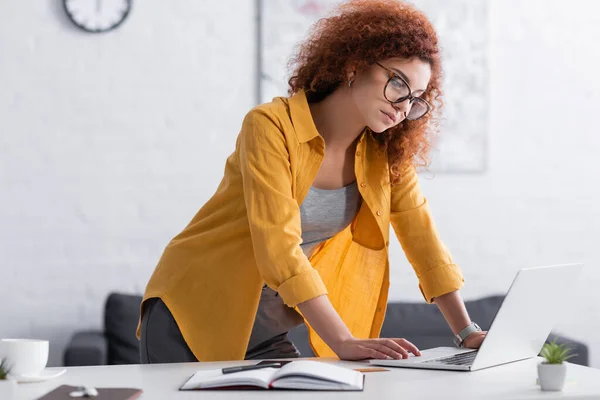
{"points": [[24, 356]]}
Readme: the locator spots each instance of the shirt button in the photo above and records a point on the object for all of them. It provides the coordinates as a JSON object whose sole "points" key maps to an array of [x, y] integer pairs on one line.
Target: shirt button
{"points": [[363, 185], [358, 153], [379, 213]]}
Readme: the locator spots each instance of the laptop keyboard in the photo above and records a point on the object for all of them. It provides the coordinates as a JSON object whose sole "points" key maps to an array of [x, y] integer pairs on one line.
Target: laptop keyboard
{"points": [[457, 359]]}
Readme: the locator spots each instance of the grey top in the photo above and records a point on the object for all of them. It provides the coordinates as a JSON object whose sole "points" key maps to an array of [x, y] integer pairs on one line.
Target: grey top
{"points": [[324, 213]]}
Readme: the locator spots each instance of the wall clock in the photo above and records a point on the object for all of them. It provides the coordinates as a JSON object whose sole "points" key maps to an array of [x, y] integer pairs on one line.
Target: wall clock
{"points": [[97, 16]]}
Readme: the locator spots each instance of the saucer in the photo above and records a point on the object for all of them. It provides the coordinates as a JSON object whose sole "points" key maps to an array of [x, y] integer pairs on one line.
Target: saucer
{"points": [[41, 377]]}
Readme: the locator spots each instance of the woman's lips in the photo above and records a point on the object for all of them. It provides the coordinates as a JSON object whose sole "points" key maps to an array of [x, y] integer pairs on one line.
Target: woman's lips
{"points": [[391, 118]]}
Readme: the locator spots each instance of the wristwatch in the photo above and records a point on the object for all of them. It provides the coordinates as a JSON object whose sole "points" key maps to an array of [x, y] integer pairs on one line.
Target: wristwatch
{"points": [[462, 335]]}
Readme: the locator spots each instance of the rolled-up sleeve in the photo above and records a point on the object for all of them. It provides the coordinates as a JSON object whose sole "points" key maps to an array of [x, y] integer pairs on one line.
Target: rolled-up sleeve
{"points": [[418, 235], [273, 213]]}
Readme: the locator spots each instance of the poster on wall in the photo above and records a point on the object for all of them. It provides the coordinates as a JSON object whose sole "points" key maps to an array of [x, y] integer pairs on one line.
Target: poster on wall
{"points": [[462, 27]]}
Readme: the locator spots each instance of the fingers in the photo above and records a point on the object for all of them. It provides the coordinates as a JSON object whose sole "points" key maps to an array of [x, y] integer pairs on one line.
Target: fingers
{"points": [[369, 352], [396, 347], [383, 348], [408, 346], [388, 347], [379, 349]]}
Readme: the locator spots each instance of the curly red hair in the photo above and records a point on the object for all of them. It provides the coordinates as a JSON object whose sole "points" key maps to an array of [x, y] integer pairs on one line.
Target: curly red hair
{"points": [[354, 37]]}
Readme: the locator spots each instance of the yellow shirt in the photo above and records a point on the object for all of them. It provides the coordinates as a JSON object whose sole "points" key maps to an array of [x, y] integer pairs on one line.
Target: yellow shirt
{"points": [[249, 233]]}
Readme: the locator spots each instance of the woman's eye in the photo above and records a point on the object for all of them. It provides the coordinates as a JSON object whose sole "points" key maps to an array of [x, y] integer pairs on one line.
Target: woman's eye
{"points": [[398, 84]]}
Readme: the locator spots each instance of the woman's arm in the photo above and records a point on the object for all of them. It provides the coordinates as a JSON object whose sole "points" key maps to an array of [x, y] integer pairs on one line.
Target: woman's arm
{"points": [[454, 311], [321, 315], [273, 213], [439, 278], [417, 233], [323, 318]]}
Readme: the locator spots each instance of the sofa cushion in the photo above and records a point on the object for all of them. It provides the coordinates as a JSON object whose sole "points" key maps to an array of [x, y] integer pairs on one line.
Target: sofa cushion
{"points": [[121, 315], [86, 348]]}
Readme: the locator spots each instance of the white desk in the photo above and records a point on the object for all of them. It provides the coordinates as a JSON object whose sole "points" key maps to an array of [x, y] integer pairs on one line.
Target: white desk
{"points": [[511, 381]]}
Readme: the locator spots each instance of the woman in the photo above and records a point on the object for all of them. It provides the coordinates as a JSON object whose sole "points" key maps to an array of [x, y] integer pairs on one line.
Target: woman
{"points": [[298, 229]]}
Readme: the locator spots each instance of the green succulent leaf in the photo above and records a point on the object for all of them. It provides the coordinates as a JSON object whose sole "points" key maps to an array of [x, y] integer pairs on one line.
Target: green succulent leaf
{"points": [[556, 353], [4, 370]]}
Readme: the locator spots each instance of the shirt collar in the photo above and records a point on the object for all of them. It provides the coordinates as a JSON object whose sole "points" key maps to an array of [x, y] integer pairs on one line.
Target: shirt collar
{"points": [[304, 126]]}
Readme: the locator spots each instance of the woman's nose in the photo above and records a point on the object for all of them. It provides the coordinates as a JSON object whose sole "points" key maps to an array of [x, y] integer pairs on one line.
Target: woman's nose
{"points": [[403, 108]]}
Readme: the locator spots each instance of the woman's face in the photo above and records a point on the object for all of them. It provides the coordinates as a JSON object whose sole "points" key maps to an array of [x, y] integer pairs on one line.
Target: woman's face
{"points": [[367, 91]]}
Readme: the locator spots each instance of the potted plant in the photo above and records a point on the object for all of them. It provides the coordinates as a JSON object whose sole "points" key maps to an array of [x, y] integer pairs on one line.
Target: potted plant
{"points": [[552, 371], [6, 384]]}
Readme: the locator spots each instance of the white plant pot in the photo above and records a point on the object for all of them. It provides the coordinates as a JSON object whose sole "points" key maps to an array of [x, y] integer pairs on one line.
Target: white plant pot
{"points": [[7, 388], [552, 376]]}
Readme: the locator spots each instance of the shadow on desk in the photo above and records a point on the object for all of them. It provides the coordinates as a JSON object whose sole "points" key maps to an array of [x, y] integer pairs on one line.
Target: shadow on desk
{"points": [[420, 323]]}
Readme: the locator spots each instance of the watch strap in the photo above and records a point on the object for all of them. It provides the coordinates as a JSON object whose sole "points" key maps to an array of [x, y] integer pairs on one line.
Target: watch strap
{"points": [[462, 335]]}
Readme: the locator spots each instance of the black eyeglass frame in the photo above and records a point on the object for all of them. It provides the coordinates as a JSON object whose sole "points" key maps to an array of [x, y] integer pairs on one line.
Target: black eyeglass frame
{"points": [[393, 75]]}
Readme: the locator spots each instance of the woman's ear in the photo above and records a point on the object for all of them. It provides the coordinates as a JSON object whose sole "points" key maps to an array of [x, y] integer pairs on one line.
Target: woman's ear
{"points": [[350, 77]]}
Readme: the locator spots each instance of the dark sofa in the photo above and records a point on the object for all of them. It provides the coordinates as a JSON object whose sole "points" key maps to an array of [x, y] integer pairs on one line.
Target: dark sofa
{"points": [[420, 323]]}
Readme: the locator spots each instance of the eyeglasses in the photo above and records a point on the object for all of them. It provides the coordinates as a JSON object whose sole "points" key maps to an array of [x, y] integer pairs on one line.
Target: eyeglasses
{"points": [[396, 90]]}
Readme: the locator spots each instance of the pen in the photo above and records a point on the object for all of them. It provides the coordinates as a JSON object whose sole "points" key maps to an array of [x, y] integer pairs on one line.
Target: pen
{"points": [[230, 370]]}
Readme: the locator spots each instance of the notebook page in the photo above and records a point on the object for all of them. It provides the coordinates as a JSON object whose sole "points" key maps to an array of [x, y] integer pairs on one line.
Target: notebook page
{"points": [[213, 378], [303, 383], [320, 371]]}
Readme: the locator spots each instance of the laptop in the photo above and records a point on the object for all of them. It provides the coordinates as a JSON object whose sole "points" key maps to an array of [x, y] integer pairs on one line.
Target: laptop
{"points": [[536, 298]]}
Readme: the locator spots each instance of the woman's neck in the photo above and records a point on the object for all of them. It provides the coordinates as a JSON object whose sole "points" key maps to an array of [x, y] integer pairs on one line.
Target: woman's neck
{"points": [[337, 119]]}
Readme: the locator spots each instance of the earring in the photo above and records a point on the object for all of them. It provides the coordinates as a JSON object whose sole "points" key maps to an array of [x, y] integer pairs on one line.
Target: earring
{"points": [[350, 83]]}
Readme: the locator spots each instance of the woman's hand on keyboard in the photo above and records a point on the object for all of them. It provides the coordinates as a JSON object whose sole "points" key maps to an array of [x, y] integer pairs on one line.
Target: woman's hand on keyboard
{"points": [[383, 349]]}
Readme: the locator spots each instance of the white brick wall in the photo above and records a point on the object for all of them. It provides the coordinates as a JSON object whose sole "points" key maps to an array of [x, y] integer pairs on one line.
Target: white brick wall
{"points": [[110, 143]]}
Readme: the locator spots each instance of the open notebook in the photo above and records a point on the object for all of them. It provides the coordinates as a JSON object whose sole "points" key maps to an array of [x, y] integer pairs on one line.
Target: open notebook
{"points": [[302, 375]]}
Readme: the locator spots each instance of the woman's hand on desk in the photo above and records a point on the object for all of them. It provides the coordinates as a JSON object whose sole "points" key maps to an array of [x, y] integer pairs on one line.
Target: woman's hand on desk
{"points": [[360, 349], [474, 340]]}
